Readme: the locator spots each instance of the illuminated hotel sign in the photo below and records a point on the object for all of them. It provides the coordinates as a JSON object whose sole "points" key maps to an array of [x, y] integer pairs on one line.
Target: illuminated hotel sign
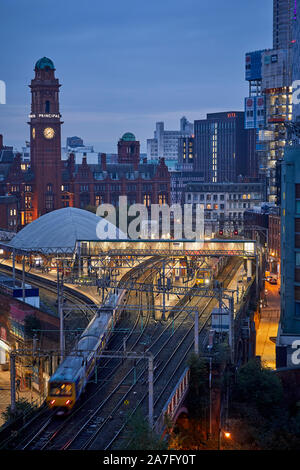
{"points": [[33, 116], [231, 115]]}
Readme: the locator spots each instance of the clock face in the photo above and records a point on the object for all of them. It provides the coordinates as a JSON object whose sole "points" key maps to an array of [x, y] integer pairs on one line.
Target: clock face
{"points": [[33, 132], [49, 133]]}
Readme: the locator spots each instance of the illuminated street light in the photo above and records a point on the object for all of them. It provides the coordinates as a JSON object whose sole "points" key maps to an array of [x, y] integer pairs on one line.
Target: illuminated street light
{"points": [[227, 434]]}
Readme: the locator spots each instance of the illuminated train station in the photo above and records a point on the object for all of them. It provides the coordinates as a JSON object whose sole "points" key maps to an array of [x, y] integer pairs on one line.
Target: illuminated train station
{"points": [[62, 247]]}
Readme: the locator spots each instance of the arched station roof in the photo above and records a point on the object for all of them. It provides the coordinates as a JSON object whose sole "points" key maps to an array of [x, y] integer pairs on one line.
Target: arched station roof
{"points": [[59, 231]]}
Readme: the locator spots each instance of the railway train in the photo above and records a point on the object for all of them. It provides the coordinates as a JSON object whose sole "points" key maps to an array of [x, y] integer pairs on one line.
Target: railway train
{"points": [[69, 381], [205, 276]]}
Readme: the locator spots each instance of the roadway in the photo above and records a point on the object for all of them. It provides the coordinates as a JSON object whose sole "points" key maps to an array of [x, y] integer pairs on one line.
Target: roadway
{"points": [[268, 326]]}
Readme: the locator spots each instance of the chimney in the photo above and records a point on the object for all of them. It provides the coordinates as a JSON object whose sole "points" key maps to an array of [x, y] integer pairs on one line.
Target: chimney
{"points": [[1, 141], [145, 160], [103, 161]]}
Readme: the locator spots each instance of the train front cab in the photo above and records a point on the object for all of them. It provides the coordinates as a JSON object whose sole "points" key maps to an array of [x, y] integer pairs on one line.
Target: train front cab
{"points": [[61, 395]]}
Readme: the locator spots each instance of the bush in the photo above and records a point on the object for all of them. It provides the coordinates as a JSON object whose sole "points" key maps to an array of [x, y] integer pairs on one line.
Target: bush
{"points": [[258, 387], [22, 407]]}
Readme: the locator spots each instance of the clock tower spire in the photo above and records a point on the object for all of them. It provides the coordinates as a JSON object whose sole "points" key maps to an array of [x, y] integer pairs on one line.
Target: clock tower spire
{"points": [[45, 139]]}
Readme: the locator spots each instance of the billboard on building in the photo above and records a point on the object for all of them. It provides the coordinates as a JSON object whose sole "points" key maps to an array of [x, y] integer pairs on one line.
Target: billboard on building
{"points": [[253, 65], [254, 112]]}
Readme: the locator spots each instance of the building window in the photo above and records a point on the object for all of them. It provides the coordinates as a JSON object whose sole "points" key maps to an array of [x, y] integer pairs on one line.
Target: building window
{"points": [[27, 202], [49, 202], [147, 200], [98, 200], [162, 199], [28, 217]]}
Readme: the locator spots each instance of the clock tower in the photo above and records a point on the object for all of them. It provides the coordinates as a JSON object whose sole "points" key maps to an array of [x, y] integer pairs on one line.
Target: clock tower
{"points": [[45, 139]]}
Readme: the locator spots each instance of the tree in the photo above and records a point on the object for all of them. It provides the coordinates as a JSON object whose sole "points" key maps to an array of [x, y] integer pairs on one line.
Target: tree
{"points": [[22, 407], [258, 386], [198, 396], [31, 323], [140, 436]]}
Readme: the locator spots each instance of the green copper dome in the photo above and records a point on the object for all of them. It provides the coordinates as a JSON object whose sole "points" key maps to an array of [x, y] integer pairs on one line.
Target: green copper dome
{"points": [[44, 63], [129, 137]]}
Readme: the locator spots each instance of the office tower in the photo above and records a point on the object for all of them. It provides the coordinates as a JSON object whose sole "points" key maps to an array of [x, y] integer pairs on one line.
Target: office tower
{"points": [[221, 147], [283, 13], [165, 142], [289, 327]]}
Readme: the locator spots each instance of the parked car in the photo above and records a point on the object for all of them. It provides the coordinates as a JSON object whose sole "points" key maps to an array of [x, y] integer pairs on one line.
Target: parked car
{"points": [[272, 280]]}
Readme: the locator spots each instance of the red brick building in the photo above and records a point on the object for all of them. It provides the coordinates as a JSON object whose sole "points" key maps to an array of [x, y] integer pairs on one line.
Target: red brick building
{"points": [[50, 183]]}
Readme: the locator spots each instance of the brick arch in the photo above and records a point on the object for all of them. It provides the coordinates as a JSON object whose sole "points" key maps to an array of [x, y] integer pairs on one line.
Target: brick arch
{"points": [[180, 411]]}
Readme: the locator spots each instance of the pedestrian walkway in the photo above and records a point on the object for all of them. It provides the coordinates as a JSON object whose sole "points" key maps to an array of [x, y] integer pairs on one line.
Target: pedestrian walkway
{"points": [[268, 327]]}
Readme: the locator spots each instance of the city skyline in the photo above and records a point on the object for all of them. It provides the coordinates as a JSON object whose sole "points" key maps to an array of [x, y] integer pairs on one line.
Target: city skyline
{"points": [[153, 69]]}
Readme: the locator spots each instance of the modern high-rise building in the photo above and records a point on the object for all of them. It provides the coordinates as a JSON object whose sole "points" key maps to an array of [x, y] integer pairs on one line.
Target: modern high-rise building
{"points": [[283, 13], [296, 63], [289, 327], [185, 153], [221, 150], [165, 142], [269, 73]]}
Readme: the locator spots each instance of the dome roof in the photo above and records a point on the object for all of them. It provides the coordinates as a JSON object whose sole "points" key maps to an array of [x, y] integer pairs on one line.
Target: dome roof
{"points": [[44, 63], [59, 230], [129, 137]]}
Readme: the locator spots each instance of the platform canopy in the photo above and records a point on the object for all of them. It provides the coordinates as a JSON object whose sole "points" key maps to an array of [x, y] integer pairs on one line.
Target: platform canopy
{"points": [[58, 232]]}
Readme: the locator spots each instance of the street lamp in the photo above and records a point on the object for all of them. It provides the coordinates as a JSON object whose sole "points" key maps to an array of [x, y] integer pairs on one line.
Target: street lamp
{"points": [[227, 435]]}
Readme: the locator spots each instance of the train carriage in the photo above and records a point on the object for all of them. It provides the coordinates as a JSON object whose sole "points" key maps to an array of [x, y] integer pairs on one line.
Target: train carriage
{"points": [[71, 377]]}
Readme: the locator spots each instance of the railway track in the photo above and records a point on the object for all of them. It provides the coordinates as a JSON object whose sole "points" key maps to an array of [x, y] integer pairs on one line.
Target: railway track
{"points": [[107, 368], [171, 358], [52, 435], [109, 415]]}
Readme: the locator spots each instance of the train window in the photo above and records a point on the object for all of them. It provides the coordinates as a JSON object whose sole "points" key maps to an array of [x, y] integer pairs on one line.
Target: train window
{"points": [[60, 389]]}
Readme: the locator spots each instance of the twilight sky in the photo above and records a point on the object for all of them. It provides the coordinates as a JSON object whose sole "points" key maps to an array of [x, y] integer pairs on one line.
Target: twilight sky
{"points": [[124, 65]]}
